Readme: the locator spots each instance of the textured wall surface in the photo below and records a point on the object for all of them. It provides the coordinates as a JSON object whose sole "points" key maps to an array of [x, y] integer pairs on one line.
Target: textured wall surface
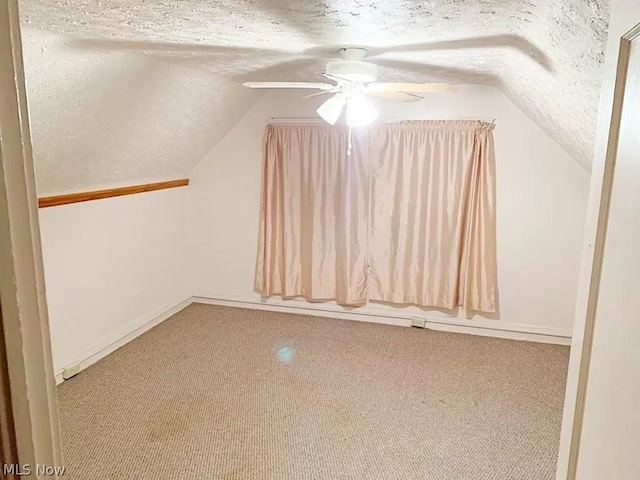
{"points": [[139, 89], [104, 118]]}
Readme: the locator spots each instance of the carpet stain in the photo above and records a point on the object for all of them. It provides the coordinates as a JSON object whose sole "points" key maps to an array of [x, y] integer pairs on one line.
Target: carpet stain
{"points": [[174, 417]]}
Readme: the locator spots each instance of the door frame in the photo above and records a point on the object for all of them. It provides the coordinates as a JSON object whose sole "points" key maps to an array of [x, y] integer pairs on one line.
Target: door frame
{"points": [[612, 101], [30, 419]]}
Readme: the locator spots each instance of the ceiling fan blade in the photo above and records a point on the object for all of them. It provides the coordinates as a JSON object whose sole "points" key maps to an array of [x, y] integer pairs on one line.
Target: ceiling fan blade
{"points": [[512, 41], [166, 48], [401, 96], [412, 87], [318, 86], [296, 70], [218, 59], [336, 79], [324, 92], [439, 72]]}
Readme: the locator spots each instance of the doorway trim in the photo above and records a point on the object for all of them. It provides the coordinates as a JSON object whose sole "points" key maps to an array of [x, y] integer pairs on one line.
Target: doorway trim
{"points": [[29, 397], [586, 308]]}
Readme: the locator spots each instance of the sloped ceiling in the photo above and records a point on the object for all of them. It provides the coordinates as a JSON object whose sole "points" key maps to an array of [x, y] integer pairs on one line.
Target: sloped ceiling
{"points": [[127, 91]]}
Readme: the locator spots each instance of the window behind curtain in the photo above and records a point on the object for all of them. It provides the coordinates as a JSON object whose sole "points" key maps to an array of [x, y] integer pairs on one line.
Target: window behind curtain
{"points": [[408, 218]]}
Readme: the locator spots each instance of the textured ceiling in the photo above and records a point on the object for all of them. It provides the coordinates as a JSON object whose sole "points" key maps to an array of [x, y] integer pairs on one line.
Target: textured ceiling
{"points": [[154, 61]]}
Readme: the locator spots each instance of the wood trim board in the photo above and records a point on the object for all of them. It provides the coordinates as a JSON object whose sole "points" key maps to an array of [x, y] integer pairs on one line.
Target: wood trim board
{"points": [[55, 200]]}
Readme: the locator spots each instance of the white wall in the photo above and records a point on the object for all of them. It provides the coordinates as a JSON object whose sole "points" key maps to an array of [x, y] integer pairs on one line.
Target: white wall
{"points": [[542, 196], [110, 266]]}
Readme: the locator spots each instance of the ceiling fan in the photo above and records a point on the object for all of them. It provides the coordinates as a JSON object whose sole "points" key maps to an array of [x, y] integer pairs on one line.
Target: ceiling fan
{"points": [[354, 80]]}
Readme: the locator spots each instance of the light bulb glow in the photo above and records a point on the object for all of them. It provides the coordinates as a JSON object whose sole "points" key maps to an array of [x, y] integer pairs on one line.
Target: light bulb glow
{"points": [[360, 112], [331, 109]]}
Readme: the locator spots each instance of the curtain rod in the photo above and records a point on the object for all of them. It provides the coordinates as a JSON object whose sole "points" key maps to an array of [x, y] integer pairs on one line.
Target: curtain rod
{"points": [[313, 121]]}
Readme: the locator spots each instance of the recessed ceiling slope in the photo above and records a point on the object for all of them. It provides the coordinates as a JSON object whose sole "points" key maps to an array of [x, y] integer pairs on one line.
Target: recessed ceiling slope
{"points": [[545, 55]]}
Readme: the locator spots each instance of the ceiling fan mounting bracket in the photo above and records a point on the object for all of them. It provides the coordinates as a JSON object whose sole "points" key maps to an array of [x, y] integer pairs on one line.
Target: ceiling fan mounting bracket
{"points": [[352, 67], [353, 53]]}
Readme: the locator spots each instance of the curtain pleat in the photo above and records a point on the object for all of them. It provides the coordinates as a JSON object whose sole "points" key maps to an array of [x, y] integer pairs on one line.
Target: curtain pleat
{"points": [[313, 223], [432, 239], [408, 218]]}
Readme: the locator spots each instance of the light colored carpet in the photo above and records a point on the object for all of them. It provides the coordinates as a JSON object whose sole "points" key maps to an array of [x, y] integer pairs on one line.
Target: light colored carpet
{"points": [[224, 393]]}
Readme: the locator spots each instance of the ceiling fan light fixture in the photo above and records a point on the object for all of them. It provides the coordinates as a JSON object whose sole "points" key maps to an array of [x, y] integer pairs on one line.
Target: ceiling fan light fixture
{"points": [[360, 112], [352, 79], [331, 109]]}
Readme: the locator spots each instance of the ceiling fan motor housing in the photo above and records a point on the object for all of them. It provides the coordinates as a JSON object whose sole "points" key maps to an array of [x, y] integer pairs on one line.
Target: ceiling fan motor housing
{"points": [[352, 67]]}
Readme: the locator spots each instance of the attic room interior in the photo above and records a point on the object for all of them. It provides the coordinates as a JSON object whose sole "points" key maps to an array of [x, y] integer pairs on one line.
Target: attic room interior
{"points": [[327, 239]]}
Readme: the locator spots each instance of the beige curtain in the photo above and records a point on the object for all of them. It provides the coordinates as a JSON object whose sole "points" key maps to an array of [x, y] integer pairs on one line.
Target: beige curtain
{"points": [[408, 218], [313, 231], [432, 236]]}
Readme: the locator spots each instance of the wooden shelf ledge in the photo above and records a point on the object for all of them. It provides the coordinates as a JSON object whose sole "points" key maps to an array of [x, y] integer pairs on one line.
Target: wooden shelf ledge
{"points": [[110, 192]]}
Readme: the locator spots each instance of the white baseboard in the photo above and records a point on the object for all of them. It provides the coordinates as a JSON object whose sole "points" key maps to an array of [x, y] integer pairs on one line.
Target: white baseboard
{"points": [[120, 338], [370, 313], [378, 314]]}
